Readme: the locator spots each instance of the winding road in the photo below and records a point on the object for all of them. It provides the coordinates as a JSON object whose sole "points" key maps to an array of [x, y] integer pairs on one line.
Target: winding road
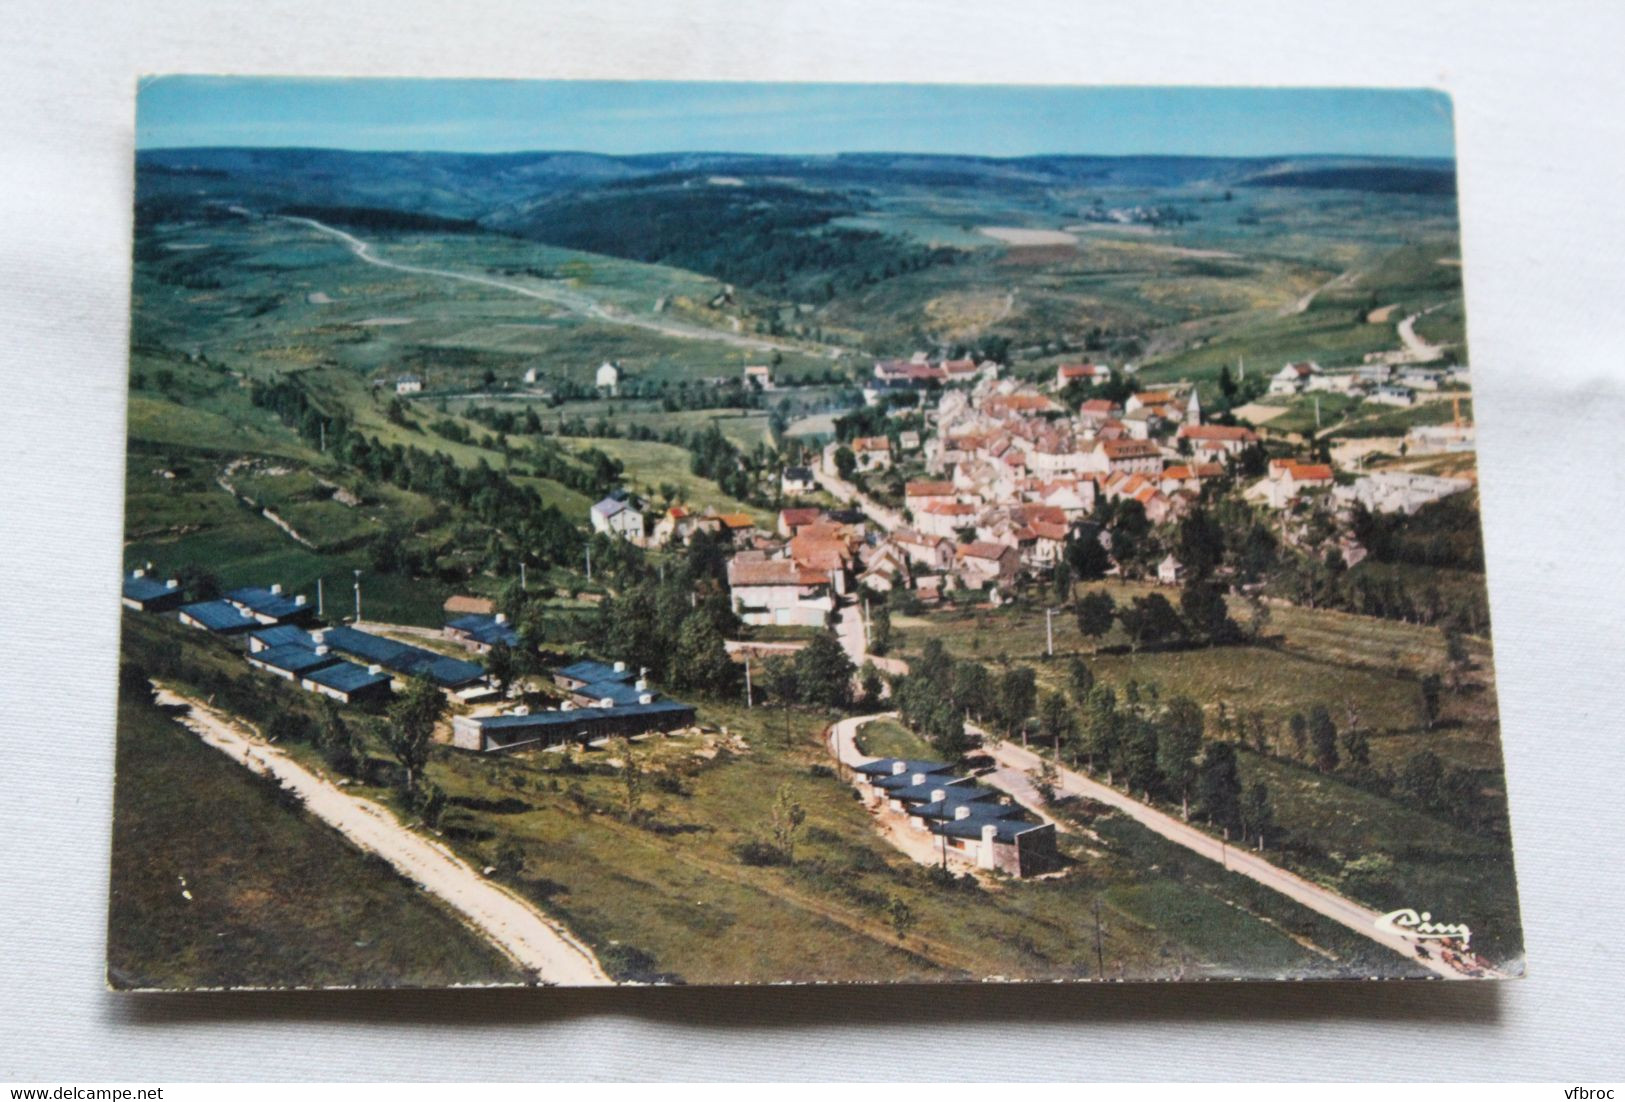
{"points": [[528, 937], [557, 296]]}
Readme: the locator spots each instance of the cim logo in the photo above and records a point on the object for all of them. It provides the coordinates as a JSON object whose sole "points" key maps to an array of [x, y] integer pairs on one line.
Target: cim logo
{"points": [[1407, 923]]}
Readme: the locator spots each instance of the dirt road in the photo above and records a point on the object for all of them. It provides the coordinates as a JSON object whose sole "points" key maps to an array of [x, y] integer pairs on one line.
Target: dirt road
{"points": [[557, 296], [1361, 920], [526, 935]]}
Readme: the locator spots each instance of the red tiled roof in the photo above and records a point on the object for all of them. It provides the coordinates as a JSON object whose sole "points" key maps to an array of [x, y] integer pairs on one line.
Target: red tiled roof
{"points": [[1217, 432], [796, 518], [1129, 449], [929, 489]]}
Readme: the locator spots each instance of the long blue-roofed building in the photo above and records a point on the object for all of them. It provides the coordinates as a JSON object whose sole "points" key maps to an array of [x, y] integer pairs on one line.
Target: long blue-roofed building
{"points": [[403, 660], [603, 700], [219, 617]]}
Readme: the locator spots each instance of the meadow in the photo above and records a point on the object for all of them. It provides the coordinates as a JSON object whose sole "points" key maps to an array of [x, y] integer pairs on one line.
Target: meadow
{"points": [[217, 881]]}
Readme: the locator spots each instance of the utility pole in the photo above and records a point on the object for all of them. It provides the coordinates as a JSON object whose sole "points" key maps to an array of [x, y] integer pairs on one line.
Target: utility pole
{"points": [[323, 425], [319, 606], [358, 596], [522, 586], [1049, 632], [589, 562], [1100, 952], [748, 703]]}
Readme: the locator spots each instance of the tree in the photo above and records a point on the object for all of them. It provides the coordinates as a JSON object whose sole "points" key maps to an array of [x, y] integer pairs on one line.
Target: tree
{"points": [[1299, 727], [700, 661], [1430, 700], [779, 680], [1179, 746], [880, 630], [1055, 721], [1421, 777], [500, 664], [1096, 614], [1086, 557], [824, 673], [1018, 693], [973, 690], [1206, 614], [1080, 679], [846, 464], [1140, 756], [1257, 814], [788, 815], [1199, 544], [631, 778], [133, 683], [902, 917], [870, 682], [1323, 738], [1218, 786], [1101, 728], [1150, 620], [409, 734]]}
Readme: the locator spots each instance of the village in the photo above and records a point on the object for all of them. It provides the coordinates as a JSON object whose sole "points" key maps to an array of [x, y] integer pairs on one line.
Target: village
{"points": [[1012, 479]]}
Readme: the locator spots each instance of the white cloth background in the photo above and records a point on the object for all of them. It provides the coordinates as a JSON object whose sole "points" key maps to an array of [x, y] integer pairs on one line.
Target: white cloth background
{"points": [[1538, 105]]}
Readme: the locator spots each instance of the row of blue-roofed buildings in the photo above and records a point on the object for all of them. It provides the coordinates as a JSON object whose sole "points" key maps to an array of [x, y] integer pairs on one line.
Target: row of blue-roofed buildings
{"points": [[974, 824], [283, 639]]}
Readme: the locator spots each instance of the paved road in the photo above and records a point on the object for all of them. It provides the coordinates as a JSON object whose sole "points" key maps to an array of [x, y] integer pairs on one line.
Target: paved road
{"points": [[847, 493], [557, 296], [528, 936], [1360, 919]]}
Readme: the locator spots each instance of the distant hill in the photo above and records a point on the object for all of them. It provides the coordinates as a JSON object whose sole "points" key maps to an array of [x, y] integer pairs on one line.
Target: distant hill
{"points": [[500, 186]]}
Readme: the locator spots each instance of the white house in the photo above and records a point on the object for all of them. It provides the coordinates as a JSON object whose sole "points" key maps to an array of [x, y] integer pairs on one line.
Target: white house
{"points": [[767, 591], [615, 516], [873, 453], [408, 384], [608, 377], [797, 480], [1294, 378], [1392, 394]]}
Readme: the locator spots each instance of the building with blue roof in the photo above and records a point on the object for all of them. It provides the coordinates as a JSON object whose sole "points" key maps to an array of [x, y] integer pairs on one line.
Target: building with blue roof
{"points": [[271, 605], [348, 683], [537, 730], [977, 824], [959, 801], [291, 661], [148, 594], [280, 635], [403, 659], [220, 617], [480, 632]]}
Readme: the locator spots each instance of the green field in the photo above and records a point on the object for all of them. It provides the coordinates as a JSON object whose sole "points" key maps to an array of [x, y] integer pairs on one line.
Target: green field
{"points": [[217, 882]]}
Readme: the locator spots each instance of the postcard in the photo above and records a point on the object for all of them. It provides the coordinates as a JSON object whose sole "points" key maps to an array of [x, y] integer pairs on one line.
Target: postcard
{"points": [[659, 533]]}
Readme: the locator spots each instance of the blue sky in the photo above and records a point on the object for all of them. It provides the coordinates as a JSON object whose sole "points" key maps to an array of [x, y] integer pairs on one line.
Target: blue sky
{"points": [[482, 116]]}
